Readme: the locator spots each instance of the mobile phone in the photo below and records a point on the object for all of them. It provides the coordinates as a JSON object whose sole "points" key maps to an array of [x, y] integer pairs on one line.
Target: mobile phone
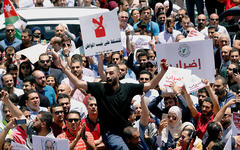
{"points": [[236, 70], [49, 47], [21, 121]]}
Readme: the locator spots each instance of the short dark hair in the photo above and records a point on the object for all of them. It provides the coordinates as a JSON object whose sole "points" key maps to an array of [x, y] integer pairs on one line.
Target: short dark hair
{"points": [[30, 79], [144, 8], [46, 117], [159, 12], [30, 92], [24, 108], [11, 67], [74, 112], [14, 98], [145, 72], [233, 50], [213, 130], [114, 65], [218, 145], [203, 90], [61, 96], [27, 31], [207, 99], [212, 27], [55, 105], [143, 54]]}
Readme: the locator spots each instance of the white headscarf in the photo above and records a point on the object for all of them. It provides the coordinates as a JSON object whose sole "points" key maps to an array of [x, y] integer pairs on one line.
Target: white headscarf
{"points": [[175, 129]]}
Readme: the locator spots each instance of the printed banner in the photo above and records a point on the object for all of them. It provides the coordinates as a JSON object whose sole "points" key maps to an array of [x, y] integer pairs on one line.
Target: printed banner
{"points": [[196, 56], [100, 33]]}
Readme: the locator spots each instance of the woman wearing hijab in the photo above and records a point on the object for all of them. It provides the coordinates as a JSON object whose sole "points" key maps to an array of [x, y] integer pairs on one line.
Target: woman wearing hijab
{"points": [[198, 142], [170, 129]]}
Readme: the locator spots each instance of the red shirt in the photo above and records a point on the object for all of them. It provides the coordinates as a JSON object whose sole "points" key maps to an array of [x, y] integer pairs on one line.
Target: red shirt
{"points": [[58, 130], [80, 144], [92, 127], [201, 124]]}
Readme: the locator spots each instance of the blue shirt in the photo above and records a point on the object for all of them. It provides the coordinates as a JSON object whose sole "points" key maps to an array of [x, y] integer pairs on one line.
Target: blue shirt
{"points": [[154, 30], [5, 43], [49, 92]]}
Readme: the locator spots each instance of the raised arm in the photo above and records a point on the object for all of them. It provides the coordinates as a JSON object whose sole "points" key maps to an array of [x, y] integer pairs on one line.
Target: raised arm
{"points": [[100, 67], [153, 107], [212, 96], [190, 103], [220, 114], [144, 120], [77, 83], [154, 82], [14, 109], [11, 124]]}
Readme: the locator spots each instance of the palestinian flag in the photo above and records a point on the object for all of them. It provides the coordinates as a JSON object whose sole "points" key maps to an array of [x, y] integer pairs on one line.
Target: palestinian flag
{"points": [[11, 17]]}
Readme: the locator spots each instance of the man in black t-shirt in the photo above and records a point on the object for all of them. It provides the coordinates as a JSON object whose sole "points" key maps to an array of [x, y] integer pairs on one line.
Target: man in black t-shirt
{"points": [[114, 100]]}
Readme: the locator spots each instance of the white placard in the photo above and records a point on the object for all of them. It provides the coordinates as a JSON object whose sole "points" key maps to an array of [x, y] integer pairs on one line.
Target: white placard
{"points": [[41, 142], [196, 56], [193, 83], [100, 33], [141, 41], [33, 52], [174, 75], [17, 146]]}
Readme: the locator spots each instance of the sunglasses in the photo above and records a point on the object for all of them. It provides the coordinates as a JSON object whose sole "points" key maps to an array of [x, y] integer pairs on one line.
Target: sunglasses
{"points": [[173, 117], [144, 79], [59, 112], [8, 30], [214, 19], [201, 19], [71, 120], [43, 61]]}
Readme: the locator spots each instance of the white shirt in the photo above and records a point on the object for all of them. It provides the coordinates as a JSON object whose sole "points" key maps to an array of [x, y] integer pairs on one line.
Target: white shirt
{"points": [[165, 37], [123, 34]]}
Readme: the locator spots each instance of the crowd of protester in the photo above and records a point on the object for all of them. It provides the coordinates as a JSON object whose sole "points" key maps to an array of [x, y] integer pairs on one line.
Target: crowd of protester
{"points": [[112, 100]]}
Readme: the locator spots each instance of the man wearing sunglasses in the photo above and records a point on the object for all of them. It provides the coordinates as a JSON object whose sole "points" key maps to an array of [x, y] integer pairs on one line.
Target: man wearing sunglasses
{"points": [[114, 100], [10, 39], [76, 134], [58, 126], [44, 64]]}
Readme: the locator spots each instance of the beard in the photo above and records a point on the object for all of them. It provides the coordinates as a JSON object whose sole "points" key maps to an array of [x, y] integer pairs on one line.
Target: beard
{"points": [[207, 114], [219, 92], [37, 129], [200, 25], [112, 82]]}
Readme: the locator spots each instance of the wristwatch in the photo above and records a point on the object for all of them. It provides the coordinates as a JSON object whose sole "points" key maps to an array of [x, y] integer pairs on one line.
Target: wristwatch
{"points": [[66, 55]]}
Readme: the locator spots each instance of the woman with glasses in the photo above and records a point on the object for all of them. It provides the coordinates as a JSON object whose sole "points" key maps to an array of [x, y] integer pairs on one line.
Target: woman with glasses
{"points": [[25, 69], [170, 129]]}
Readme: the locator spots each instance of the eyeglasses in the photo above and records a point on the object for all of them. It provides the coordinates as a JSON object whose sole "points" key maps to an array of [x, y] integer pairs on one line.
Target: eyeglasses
{"points": [[115, 58], [43, 61], [214, 19], [75, 120], [173, 117], [144, 79], [201, 19], [8, 30], [59, 112]]}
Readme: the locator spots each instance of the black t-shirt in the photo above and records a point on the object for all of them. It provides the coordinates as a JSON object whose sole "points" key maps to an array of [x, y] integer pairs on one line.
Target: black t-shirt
{"points": [[114, 106]]}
